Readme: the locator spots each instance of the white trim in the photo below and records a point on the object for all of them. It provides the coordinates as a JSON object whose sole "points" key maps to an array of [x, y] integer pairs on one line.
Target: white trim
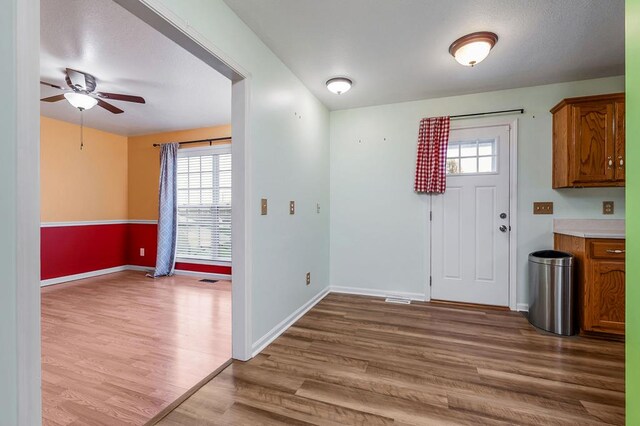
{"points": [[90, 274], [513, 214], [96, 222], [202, 274], [26, 217], [276, 331], [378, 293], [139, 268], [204, 150], [82, 276], [203, 262], [522, 307]]}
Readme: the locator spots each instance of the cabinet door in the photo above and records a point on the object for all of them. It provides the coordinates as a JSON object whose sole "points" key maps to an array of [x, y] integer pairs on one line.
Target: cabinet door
{"points": [[594, 144], [619, 134], [606, 297]]}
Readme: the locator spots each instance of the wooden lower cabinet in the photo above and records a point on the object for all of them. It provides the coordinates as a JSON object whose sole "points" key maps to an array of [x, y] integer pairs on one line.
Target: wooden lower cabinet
{"points": [[600, 275]]}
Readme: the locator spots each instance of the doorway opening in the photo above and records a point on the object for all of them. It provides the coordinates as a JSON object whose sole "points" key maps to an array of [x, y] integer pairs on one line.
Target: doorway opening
{"points": [[130, 346]]}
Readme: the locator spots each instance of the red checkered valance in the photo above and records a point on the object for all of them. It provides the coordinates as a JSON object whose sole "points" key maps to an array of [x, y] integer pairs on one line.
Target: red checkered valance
{"points": [[431, 162]]}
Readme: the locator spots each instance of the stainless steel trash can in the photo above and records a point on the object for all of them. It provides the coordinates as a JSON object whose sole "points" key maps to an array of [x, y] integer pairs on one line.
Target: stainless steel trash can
{"points": [[552, 294]]}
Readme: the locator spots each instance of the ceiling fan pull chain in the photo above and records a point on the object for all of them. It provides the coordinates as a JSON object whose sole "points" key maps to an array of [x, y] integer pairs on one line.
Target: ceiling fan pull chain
{"points": [[81, 129]]}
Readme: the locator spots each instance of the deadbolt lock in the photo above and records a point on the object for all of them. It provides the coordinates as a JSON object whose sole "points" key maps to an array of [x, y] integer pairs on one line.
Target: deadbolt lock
{"points": [[503, 215]]}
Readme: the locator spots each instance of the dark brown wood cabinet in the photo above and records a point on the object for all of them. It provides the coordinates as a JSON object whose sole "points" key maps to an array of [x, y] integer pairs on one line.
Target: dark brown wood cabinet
{"points": [[600, 275], [588, 141]]}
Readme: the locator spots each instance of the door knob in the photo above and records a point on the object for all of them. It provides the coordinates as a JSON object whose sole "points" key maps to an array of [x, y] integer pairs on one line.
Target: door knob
{"points": [[503, 228]]}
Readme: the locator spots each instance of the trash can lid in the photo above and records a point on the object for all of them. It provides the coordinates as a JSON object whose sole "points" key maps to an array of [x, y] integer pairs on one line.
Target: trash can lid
{"points": [[551, 257]]}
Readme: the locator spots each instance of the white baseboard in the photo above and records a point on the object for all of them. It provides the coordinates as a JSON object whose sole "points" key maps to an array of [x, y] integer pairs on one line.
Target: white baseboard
{"points": [[203, 274], [522, 307], [90, 274], [276, 331], [75, 277], [139, 268], [378, 293]]}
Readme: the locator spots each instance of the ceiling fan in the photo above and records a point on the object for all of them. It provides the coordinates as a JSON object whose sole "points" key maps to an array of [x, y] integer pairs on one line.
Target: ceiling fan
{"points": [[81, 93]]}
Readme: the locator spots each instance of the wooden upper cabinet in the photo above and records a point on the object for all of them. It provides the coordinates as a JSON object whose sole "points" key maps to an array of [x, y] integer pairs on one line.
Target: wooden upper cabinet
{"points": [[588, 142]]}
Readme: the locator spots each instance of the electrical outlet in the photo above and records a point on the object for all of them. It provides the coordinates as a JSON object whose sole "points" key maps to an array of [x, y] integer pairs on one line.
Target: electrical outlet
{"points": [[543, 207], [607, 207], [141, 251], [308, 278], [318, 208], [292, 207], [263, 207]]}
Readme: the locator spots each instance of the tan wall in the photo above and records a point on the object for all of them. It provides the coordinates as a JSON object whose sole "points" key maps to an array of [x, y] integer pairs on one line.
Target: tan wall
{"points": [[81, 185], [144, 166]]}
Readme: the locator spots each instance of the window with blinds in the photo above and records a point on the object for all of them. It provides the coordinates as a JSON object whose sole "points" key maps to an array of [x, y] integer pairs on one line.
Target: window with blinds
{"points": [[204, 204]]}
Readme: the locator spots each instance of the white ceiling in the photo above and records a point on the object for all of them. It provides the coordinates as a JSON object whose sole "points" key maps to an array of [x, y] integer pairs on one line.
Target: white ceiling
{"points": [[397, 50], [127, 56]]}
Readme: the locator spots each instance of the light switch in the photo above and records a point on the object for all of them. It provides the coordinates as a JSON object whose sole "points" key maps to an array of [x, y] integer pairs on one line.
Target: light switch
{"points": [[607, 207], [292, 207], [543, 207], [263, 206]]}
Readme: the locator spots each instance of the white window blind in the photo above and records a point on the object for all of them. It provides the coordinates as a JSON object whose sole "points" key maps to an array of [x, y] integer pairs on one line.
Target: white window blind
{"points": [[204, 204]]}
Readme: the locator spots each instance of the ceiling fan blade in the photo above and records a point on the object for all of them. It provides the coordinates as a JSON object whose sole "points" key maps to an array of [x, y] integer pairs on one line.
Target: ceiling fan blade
{"points": [[55, 98], [109, 107], [118, 97], [80, 80], [55, 86]]}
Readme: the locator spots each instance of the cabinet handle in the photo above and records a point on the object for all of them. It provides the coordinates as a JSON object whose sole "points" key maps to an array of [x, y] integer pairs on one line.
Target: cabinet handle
{"points": [[615, 251], [610, 162], [621, 161]]}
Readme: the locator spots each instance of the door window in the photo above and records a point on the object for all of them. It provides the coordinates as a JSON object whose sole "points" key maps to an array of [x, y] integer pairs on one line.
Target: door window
{"points": [[477, 156]]}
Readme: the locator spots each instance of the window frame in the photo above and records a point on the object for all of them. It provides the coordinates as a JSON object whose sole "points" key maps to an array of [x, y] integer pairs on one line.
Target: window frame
{"points": [[459, 157], [199, 151]]}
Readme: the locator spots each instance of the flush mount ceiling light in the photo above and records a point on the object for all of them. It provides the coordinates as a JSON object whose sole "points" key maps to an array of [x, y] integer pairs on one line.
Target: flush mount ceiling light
{"points": [[80, 100], [339, 85], [471, 49]]}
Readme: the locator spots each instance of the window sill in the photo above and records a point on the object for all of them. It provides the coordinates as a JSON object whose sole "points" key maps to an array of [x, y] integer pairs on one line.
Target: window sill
{"points": [[202, 262]]}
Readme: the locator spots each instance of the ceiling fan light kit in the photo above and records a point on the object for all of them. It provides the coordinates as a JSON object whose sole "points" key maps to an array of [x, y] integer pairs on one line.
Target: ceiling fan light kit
{"points": [[80, 100], [471, 49]]}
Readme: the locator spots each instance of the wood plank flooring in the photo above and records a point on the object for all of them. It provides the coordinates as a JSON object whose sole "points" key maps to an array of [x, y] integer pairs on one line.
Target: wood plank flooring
{"points": [[120, 348], [358, 360]]}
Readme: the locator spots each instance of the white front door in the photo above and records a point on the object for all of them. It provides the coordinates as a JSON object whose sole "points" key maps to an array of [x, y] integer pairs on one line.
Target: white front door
{"points": [[470, 221]]}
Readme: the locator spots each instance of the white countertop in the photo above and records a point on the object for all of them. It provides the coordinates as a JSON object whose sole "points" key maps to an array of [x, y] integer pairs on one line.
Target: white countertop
{"points": [[590, 228]]}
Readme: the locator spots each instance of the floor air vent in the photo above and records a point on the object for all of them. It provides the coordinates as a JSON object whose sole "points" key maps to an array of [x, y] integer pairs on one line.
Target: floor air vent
{"points": [[206, 280], [398, 300]]}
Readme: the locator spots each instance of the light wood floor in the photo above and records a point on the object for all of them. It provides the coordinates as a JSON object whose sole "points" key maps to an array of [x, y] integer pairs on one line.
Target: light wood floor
{"points": [[120, 348], [357, 360]]}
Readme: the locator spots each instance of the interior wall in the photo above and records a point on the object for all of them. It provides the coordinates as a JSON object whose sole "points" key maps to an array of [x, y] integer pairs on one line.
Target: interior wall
{"points": [[288, 149], [379, 226], [144, 174], [632, 12], [81, 185], [144, 166], [100, 204]]}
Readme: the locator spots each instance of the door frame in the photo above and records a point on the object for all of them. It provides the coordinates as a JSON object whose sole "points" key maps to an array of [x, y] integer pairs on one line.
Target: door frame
{"points": [[27, 209], [512, 124]]}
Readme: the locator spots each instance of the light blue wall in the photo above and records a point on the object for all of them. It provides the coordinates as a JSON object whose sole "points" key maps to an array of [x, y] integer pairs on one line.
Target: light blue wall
{"points": [[8, 284], [379, 237], [289, 134]]}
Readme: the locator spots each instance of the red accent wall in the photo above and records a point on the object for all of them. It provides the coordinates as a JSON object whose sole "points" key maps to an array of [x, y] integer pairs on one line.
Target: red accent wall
{"points": [[142, 235], [70, 250]]}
